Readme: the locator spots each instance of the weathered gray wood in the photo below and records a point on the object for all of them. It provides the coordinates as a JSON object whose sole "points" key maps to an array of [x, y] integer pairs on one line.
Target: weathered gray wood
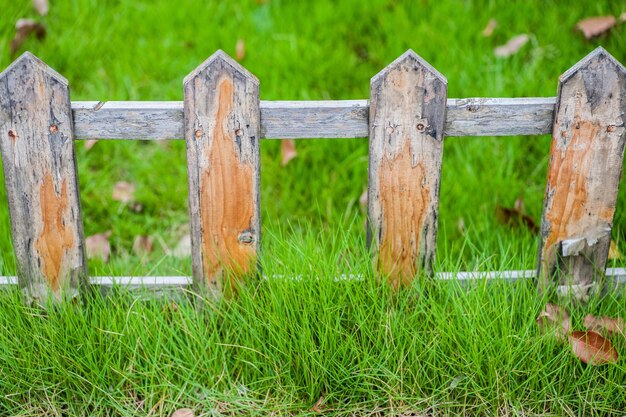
{"points": [[583, 177], [222, 130], [40, 176], [156, 120], [407, 116]]}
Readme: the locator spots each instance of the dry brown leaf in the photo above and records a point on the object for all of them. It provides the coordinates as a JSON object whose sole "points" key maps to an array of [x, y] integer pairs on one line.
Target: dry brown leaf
{"points": [[123, 191], [183, 412], [592, 348], [288, 151], [98, 246], [41, 6], [512, 46], [556, 318], [89, 143], [491, 26], [240, 50], [614, 253], [23, 29], [516, 217], [318, 407], [363, 200], [610, 324], [596, 26], [143, 245]]}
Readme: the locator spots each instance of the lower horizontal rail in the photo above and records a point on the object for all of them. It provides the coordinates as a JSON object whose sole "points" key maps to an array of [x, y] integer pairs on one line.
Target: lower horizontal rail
{"points": [[157, 120], [618, 275]]}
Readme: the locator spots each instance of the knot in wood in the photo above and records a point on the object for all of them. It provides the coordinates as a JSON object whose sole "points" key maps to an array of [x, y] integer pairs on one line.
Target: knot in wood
{"points": [[198, 133], [238, 132], [246, 237], [12, 134]]}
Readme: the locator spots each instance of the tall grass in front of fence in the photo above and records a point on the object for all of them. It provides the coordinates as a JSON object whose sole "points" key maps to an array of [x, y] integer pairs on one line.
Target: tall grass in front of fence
{"points": [[285, 342]]}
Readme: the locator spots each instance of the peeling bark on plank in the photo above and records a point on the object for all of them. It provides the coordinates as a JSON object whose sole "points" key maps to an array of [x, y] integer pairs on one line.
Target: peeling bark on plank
{"points": [[584, 173], [40, 176], [222, 131], [407, 117]]}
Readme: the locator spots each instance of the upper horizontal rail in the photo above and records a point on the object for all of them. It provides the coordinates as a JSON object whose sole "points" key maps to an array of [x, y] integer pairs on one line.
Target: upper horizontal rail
{"points": [[156, 120]]}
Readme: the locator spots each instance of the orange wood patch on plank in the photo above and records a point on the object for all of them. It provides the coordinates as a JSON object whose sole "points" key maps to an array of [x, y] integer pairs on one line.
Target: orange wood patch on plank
{"points": [[226, 187], [404, 201], [56, 237]]}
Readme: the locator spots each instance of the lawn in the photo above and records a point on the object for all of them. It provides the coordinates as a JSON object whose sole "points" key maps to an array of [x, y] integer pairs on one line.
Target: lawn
{"points": [[284, 344]]}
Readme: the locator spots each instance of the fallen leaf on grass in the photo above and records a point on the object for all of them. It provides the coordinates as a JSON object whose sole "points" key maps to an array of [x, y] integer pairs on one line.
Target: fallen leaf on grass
{"points": [[23, 29], [610, 324], [512, 46], [592, 348], [41, 6], [556, 318], [183, 412], [123, 191], [491, 26], [614, 253], [240, 50], [516, 217], [288, 151], [143, 245], [89, 143], [596, 26], [98, 246], [318, 406]]}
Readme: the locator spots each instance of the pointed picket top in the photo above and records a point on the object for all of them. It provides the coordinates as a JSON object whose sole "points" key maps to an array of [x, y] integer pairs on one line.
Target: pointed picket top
{"points": [[29, 62], [408, 58], [220, 58], [595, 57]]}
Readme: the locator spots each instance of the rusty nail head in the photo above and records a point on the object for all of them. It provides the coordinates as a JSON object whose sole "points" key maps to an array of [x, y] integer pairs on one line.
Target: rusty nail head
{"points": [[54, 128], [610, 128], [420, 127], [198, 133], [238, 132], [12, 134]]}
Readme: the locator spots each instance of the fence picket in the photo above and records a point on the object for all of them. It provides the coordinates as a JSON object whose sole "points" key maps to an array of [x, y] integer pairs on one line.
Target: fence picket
{"points": [[37, 147], [407, 117], [588, 138], [222, 132]]}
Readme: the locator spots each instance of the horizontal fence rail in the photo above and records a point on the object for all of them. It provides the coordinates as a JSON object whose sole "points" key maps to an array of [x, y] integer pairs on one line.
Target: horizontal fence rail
{"points": [[163, 120], [222, 120]]}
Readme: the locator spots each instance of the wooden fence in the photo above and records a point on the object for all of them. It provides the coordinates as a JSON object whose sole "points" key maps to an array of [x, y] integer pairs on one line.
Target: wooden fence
{"points": [[222, 121]]}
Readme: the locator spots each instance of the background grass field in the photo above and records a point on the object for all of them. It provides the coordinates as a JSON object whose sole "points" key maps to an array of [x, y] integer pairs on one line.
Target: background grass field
{"points": [[283, 345]]}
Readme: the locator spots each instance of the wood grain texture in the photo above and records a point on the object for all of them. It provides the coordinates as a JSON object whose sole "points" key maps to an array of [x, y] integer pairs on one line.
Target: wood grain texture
{"points": [[584, 173], [159, 120], [41, 182], [222, 129], [407, 116]]}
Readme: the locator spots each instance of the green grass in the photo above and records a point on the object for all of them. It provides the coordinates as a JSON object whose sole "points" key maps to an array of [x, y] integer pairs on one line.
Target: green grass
{"points": [[282, 344]]}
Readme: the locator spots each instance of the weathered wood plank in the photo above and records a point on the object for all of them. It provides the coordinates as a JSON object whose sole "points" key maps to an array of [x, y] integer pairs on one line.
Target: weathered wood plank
{"points": [[583, 177], [156, 120], [41, 183], [222, 129], [407, 116]]}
